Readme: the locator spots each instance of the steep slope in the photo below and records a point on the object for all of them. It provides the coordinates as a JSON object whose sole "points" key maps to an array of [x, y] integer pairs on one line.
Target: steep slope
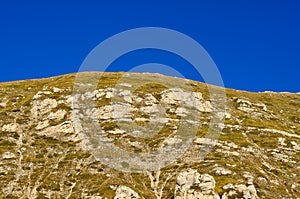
{"points": [[48, 140]]}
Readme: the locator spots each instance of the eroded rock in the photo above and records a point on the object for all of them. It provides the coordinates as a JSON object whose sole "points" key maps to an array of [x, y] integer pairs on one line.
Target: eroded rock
{"points": [[246, 191], [124, 192], [192, 185], [3, 104], [40, 108], [13, 127], [8, 155]]}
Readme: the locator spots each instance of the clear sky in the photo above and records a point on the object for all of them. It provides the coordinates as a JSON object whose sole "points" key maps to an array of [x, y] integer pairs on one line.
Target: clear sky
{"points": [[254, 43]]}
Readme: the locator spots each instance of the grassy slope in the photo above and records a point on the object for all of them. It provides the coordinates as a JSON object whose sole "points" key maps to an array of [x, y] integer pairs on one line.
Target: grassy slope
{"points": [[77, 165]]}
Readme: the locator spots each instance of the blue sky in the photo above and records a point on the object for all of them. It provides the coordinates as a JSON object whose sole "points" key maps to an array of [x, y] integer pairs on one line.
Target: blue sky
{"points": [[255, 44]]}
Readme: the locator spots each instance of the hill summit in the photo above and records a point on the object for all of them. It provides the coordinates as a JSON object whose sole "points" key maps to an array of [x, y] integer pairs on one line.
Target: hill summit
{"points": [[138, 135]]}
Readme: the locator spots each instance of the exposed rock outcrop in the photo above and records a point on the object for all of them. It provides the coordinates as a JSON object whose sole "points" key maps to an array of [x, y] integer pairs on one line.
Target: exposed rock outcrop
{"points": [[192, 185], [13, 127], [245, 191], [8, 155], [124, 192]]}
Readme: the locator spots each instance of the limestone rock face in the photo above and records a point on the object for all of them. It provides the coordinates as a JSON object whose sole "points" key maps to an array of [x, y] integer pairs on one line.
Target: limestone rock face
{"points": [[189, 99], [13, 127], [124, 192], [58, 115], [192, 185], [245, 191], [42, 107]]}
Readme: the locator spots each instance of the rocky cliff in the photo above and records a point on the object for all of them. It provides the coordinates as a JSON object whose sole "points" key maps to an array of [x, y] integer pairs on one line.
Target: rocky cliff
{"points": [[64, 137]]}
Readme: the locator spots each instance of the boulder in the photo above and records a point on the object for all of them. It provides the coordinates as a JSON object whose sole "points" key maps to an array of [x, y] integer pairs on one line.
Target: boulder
{"points": [[124, 192], [192, 185], [3, 104], [13, 127], [8, 155], [58, 115], [247, 192], [40, 108]]}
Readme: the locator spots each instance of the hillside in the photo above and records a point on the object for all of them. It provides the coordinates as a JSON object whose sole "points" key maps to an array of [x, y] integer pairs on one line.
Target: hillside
{"points": [[50, 146]]}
